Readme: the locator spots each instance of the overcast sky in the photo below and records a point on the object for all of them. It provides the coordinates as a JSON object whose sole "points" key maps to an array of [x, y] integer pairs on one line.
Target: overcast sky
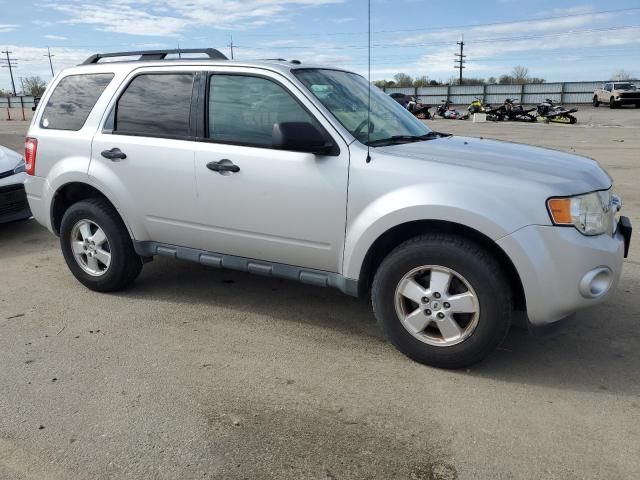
{"points": [[555, 39]]}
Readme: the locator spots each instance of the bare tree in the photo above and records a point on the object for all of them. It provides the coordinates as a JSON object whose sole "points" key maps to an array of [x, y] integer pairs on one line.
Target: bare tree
{"points": [[621, 75], [384, 83], [422, 81], [4, 93], [403, 80], [34, 86], [520, 74]]}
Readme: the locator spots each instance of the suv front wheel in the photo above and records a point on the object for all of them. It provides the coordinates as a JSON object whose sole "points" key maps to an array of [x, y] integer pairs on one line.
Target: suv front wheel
{"points": [[442, 300], [97, 247]]}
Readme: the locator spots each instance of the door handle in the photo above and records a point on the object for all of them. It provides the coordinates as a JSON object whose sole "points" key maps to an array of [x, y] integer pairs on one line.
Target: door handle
{"points": [[114, 154], [223, 166]]}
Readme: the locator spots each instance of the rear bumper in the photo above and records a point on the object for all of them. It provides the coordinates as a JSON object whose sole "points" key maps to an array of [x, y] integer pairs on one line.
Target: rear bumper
{"points": [[562, 270], [38, 191], [13, 203]]}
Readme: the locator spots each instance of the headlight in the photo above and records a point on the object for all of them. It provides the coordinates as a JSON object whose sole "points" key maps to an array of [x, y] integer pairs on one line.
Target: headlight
{"points": [[20, 167], [591, 213]]}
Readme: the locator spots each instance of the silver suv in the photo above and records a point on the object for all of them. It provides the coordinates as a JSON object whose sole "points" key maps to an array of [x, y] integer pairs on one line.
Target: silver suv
{"points": [[282, 169]]}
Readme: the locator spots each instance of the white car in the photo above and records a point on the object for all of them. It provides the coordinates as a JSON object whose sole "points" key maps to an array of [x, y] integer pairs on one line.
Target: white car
{"points": [[13, 199]]}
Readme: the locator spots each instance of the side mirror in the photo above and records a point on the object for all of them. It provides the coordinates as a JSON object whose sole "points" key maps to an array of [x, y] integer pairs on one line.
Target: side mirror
{"points": [[300, 137]]}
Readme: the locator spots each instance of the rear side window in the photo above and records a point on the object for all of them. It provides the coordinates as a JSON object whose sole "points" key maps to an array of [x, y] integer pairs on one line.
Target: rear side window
{"points": [[72, 100], [155, 105]]}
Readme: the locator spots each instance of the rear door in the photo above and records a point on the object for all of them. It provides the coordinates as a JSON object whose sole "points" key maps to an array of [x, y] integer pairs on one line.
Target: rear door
{"points": [[144, 154]]}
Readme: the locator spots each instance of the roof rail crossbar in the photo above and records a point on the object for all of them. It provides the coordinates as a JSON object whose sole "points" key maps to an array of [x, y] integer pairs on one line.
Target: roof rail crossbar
{"points": [[212, 53]]}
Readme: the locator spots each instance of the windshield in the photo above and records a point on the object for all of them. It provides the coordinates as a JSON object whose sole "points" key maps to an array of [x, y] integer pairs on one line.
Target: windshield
{"points": [[346, 95], [624, 86]]}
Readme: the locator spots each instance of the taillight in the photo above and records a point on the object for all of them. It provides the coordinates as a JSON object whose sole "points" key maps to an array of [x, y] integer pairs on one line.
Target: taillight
{"points": [[30, 150]]}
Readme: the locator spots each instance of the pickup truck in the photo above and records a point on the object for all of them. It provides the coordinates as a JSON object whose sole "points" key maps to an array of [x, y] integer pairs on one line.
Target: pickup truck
{"points": [[616, 94]]}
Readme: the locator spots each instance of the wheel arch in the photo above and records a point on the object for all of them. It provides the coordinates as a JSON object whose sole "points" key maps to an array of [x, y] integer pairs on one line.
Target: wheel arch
{"points": [[396, 235], [73, 192]]}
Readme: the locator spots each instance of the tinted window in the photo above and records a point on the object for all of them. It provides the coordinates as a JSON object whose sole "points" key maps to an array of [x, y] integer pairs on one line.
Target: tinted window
{"points": [[72, 101], [244, 109], [156, 105]]}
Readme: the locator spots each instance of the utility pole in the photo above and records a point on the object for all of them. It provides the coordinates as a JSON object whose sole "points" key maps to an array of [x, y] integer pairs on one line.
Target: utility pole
{"points": [[230, 45], [460, 61], [50, 62], [11, 65]]}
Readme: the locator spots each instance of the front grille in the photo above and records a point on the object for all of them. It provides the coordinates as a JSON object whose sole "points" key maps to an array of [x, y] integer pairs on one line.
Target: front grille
{"points": [[13, 199], [629, 95]]}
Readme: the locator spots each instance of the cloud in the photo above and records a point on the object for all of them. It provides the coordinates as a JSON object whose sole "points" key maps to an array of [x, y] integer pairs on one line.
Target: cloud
{"points": [[492, 57], [5, 28], [525, 27], [343, 19], [55, 37], [575, 10], [172, 17]]}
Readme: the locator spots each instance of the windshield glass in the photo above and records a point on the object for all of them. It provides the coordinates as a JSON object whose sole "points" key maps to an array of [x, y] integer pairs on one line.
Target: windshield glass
{"points": [[624, 86], [346, 95]]}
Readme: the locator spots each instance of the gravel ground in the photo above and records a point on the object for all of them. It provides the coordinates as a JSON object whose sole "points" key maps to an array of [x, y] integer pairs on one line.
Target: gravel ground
{"points": [[200, 373]]}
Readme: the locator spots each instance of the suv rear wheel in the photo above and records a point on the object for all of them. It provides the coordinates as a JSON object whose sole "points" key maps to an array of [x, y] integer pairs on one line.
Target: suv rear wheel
{"points": [[442, 300], [596, 103], [97, 247]]}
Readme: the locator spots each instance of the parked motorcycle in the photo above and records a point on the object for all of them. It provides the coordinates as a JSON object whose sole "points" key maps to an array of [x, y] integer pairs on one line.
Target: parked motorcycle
{"points": [[516, 112], [477, 106], [445, 111], [419, 110], [556, 113], [495, 114]]}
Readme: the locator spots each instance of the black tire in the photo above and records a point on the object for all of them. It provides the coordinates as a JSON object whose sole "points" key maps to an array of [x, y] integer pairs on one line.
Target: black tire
{"points": [[125, 264], [477, 266], [612, 103], [596, 103]]}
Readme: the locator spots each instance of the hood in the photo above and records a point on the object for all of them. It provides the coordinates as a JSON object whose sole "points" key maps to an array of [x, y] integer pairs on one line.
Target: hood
{"points": [[8, 159], [566, 173]]}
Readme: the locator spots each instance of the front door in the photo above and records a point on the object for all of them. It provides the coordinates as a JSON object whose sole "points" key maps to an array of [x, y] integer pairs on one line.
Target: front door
{"points": [[279, 206]]}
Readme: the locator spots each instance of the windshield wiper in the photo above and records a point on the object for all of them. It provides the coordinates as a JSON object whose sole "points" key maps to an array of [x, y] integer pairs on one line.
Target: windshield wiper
{"points": [[399, 139]]}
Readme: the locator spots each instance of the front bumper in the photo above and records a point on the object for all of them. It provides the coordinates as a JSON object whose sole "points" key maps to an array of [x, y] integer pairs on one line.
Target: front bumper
{"points": [[556, 264], [13, 199], [628, 101]]}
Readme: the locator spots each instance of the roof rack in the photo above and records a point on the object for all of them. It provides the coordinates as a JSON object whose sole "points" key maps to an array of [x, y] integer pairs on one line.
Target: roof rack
{"points": [[296, 62], [156, 54]]}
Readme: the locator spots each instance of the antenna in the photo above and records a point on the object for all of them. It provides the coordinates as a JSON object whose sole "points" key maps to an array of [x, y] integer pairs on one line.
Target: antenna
{"points": [[369, 80]]}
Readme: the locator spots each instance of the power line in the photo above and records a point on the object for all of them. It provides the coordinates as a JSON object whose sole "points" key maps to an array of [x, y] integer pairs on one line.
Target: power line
{"points": [[10, 65], [468, 25], [441, 43]]}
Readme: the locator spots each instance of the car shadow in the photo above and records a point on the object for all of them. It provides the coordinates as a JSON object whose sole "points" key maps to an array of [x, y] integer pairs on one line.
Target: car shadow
{"points": [[596, 350]]}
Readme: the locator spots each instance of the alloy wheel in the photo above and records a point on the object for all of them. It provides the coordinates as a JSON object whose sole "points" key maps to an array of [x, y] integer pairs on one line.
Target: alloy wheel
{"points": [[437, 305], [90, 247]]}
